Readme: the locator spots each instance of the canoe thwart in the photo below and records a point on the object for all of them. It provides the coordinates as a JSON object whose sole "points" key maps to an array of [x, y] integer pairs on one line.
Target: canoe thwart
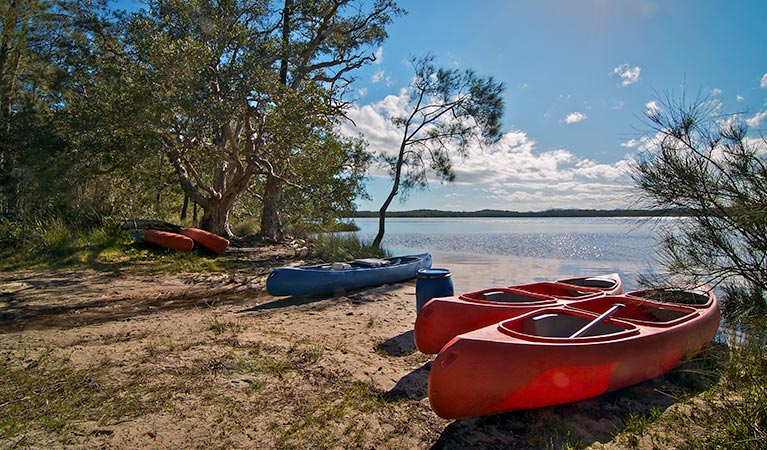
{"points": [[599, 319]]}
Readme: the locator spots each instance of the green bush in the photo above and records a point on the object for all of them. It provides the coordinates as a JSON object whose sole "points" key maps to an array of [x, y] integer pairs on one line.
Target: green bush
{"points": [[57, 239]]}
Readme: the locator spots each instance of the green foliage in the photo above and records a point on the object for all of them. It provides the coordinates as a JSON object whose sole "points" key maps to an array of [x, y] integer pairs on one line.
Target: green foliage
{"points": [[246, 228], [745, 306], [714, 170], [332, 247], [127, 114]]}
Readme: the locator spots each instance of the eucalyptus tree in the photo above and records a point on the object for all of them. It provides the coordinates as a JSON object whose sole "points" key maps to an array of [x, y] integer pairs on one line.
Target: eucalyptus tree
{"points": [[241, 90], [448, 111], [712, 168]]}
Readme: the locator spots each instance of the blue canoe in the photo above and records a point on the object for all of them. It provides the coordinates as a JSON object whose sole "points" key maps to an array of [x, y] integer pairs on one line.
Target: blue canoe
{"points": [[336, 278]]}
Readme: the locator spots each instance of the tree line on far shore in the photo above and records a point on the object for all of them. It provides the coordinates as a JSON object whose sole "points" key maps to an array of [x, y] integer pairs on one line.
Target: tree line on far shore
{"points": [[670, 212]]}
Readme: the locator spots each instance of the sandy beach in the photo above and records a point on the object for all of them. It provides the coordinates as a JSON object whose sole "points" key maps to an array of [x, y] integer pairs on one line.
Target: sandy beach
{"points": [[213, 361]]}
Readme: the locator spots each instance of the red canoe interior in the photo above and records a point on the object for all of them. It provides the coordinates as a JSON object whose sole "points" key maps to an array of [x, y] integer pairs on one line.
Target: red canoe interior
{"points": [[559, 290], [687, 297], [593, 282], [557, 325], [638, 311], [508, 295]]}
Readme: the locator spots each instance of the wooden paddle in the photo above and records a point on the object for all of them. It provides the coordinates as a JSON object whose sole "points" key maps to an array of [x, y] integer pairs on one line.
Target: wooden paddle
{"points": [[602, 317]]}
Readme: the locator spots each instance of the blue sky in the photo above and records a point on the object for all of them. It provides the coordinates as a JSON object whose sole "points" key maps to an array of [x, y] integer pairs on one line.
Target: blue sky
{"points": [[579, 76]]}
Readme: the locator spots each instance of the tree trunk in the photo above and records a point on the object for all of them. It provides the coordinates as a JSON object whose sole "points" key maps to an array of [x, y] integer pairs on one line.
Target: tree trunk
{"points": [[215, 217], [393, 193], [271, 226], [382, 216], [185, 207]]}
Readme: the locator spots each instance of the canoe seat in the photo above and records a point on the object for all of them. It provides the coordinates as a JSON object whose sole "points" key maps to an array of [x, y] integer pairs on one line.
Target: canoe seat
{"points": [[372, 262]]}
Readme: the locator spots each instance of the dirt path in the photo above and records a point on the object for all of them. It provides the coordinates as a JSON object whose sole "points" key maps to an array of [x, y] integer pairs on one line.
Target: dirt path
{"points": [[114, 360]]}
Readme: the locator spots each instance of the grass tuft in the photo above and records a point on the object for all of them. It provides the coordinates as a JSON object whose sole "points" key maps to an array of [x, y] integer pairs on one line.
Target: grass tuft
{"points": [[47, 394], [330, 247]]}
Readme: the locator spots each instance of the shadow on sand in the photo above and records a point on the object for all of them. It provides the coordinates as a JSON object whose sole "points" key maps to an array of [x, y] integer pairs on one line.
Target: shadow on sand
{"points": [[286, 302], [401, 345], [356, 297], [413, 386]]}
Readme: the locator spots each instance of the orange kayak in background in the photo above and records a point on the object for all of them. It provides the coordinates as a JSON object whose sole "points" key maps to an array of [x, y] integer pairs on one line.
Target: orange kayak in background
{"points": [[211, 241], [442, 319], [571, 352], [173, 241]]}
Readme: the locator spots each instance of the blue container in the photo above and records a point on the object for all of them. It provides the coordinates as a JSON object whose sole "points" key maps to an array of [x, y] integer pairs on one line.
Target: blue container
{"points": [[432, 283]]}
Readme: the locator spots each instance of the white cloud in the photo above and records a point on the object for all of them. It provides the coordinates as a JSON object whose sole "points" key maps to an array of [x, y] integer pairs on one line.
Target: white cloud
{"points": [[362, 92], [378, 76], [541, 196], [575, 117], [631, 143], [629, 75], [378, 56], [763, 83], [513, 174], [652, 108], [739, 98], [643, 144], [755, 121], [716, 91]]}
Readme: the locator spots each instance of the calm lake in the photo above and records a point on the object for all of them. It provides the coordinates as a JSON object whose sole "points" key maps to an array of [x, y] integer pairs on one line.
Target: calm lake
{"points": [[494, 252]]}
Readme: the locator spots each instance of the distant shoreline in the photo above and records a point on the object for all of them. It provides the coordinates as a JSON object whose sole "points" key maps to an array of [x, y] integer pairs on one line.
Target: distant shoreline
{"points": [[548, 213]]}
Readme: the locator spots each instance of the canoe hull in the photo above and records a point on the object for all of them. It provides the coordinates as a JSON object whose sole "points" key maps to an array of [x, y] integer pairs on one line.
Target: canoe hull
{"points": [[173, 241], [212, 242], [313, 280], [523, 371], [442, 319]]}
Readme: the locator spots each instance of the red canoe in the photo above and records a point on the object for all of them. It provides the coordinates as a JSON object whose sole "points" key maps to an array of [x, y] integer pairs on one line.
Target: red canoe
{"points": [[211, 241], [173, 241], [442, 319], [533, 361]]}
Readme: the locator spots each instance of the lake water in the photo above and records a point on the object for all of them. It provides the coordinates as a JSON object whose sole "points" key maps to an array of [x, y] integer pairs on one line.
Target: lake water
{"points": [[494, 252]]}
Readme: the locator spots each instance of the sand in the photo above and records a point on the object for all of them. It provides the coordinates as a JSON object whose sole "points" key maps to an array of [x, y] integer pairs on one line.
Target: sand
{"points": [[213, 361]]}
